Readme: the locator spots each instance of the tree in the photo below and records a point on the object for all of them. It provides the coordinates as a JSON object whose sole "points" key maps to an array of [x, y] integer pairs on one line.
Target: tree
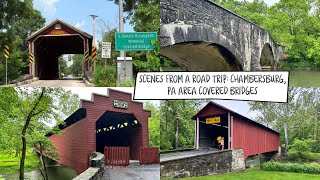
{"points": [[76, 69], [18, 20], [176, 126], [31, 110], [293, 118]]}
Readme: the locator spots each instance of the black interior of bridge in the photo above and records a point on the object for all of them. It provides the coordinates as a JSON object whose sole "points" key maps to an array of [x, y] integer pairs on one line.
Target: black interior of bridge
{"points": [[49, 48], [202, 56], [208, 133], [115, 129]]}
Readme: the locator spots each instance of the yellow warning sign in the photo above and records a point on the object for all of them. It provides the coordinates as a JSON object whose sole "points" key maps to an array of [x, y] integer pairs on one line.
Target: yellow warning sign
{"points": [[94, 53], [6, 51], [86, 56], [31, 57], [213, 120]]}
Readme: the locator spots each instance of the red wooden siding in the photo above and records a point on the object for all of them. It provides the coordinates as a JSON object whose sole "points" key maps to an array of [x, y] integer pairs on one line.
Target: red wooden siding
{"points": [[78, 140], [116, 156], [252, 138], [246, 134], [149, 155], [71, 145], [101, 104]]}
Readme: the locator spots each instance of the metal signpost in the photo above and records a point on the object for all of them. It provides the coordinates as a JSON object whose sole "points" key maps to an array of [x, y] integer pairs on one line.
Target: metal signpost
{"points": [[6, 55]]}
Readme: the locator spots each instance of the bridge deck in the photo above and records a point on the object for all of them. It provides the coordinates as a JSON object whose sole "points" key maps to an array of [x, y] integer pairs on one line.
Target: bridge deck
{"points": [[188, 154]]}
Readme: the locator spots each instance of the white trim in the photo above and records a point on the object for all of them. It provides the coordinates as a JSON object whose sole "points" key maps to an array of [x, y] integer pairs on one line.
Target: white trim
{"points": [[197, 145], [231, 128], [229, 132]]}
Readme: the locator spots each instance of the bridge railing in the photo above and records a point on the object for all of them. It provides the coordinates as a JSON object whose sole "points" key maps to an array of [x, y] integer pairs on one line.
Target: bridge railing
{"points": [[149, 155], [116, 156]]}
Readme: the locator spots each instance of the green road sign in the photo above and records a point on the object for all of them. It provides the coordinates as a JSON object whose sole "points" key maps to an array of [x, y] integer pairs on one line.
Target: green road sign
{"points": [[133, 41]]}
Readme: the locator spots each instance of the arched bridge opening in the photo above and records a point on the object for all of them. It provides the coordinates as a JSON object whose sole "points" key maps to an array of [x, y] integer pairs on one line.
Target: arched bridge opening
{"points": [[49, 48], [267, 60], [50, 42], [202, 56], [117, 129]]}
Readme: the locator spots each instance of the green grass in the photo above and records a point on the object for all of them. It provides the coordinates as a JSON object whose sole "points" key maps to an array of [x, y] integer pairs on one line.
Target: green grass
{"points": [[10, 163], [256, 174]]}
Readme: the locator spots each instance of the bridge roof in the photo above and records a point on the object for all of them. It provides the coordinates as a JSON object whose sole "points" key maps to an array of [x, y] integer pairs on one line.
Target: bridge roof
{"points": [[61, 22], [211, 103]]}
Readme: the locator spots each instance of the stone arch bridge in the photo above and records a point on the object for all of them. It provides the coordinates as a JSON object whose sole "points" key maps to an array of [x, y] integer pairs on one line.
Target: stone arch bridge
{"points": [[200, 35]]}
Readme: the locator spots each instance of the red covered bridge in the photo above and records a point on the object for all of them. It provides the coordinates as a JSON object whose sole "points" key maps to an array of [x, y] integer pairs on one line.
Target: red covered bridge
{"points": [[48, 43], [238, 131], [113, 120]]}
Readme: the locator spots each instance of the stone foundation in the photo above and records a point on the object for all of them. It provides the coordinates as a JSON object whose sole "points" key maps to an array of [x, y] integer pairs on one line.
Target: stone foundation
{"points": [[96, 168], [215, 162]]}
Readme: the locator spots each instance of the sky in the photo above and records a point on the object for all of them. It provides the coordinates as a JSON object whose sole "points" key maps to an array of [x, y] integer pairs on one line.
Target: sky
{"points": [[241, 107], [76, 13]]}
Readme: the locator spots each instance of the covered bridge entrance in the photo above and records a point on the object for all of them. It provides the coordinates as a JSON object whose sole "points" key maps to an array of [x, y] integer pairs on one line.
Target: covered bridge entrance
{"points": [[238, 131], [48, 43], [114, 121]]}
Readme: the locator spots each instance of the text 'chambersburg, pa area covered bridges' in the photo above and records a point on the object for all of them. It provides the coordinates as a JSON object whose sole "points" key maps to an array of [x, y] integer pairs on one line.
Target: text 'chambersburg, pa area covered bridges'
{"points": [[200, 35]]}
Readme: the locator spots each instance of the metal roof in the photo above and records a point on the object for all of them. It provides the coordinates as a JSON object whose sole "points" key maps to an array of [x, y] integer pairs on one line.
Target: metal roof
{"points": [[62, 22], [233, 112]]}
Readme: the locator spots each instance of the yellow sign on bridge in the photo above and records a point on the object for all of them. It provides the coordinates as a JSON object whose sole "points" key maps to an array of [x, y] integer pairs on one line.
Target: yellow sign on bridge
{"points": [[213, 120]]}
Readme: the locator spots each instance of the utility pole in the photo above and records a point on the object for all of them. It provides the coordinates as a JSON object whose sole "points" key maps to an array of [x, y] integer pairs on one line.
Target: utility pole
{"points": [[94, 37], [121, 29]]}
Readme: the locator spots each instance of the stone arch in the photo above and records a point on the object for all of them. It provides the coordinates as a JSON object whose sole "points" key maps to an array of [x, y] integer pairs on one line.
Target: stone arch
{"points": [[267, 59], [198, 48]]}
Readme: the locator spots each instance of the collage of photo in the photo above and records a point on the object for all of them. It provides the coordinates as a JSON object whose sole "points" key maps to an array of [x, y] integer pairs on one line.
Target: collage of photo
{"points": [[159, 89]]}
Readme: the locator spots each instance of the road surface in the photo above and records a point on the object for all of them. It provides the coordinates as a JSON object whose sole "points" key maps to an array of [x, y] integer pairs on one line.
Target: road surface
{"points": [[56, 83], [136, 172]]}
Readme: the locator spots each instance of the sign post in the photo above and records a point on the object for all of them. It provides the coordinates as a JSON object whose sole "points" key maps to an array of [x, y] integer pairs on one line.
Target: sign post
{"points": [[6, 55], [106, 51]]}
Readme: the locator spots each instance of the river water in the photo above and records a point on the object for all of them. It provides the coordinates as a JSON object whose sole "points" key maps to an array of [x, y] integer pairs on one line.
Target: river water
{"points": [[304, 78], [54, 173]]}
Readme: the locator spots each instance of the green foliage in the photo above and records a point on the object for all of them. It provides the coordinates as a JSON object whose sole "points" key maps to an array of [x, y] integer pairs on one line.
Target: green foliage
{"points": [[105, 76], [25, 113], [63, 67], [255, 174], [128, 83], [154, 125], [297, 119], [292, 23], [153, 60], [18, 20], [301, 150], [10, 163], [76, 69], [302, 145], [173, 112], [312, 168]]}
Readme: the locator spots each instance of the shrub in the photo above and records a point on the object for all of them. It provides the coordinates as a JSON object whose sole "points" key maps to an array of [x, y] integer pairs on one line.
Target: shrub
{"points": [[105, 76], [128, 83], [312, 168], [302, 145], [300, 156]]}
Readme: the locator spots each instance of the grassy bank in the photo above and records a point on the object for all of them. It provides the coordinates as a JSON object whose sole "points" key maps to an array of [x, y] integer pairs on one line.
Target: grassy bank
{"points": [[258, 175], [10, 163]]}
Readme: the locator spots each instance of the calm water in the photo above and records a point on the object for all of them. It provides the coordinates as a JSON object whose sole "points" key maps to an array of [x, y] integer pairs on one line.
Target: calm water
{"points": [[304, 78], [54, 173]]}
